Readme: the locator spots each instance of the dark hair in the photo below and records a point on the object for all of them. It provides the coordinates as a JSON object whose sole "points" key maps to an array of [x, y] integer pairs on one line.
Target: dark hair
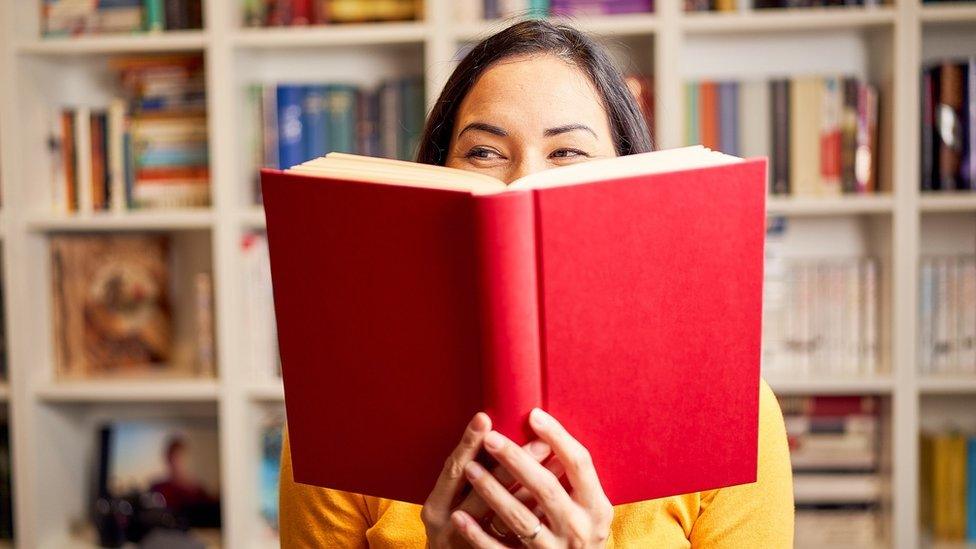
{"points": [[627, 124]]}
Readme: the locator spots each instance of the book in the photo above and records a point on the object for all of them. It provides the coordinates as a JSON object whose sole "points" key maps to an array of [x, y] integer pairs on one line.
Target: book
{"points": [[111, 305], [603, 292]]}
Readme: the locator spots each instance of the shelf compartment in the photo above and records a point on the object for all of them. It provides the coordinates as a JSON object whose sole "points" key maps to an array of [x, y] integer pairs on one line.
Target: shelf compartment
{"points": [[123, 43], [779, 20], [133, 220], [332, 35], [157, 390]]}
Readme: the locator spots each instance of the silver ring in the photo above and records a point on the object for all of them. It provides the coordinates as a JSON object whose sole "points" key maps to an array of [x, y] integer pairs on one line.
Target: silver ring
{"points": [[530, 537]]}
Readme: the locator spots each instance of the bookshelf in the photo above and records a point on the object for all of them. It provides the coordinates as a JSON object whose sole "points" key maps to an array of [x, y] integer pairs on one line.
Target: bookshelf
{"points": [[52, 422]]}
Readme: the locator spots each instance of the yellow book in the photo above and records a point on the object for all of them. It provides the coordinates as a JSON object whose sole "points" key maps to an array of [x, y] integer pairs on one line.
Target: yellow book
{"points": [[805, 101]]}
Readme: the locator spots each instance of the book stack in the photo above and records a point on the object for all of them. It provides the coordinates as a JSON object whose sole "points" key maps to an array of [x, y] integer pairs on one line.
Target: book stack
{"points": [[277, 13], [947, 316], [474, 10], [77, 17], [145, 150], [948, 131], [743, 5], [836, 484], [259, 306], [947, 493], [293, 123], [820, 316], [820, 133]]}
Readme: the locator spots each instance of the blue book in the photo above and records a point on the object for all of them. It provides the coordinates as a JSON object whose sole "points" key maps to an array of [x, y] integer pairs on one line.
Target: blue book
{"points": [[728, 106], [315, 121], [971, 489], [291, 146]]}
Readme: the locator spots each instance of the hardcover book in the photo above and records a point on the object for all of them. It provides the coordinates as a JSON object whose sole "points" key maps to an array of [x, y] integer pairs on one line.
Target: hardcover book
{"points": [[622, 295]]}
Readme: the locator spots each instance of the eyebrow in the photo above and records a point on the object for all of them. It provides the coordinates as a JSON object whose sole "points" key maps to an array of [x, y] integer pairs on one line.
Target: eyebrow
{"points": [[568, 128], [549, 132]]}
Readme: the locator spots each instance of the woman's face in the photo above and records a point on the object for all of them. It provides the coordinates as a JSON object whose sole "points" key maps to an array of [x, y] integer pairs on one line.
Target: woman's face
{"points": [[526, 114]]}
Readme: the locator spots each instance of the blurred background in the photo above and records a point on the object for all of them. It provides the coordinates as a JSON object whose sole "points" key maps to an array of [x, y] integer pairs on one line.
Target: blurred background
{"points": [[142, 396]]}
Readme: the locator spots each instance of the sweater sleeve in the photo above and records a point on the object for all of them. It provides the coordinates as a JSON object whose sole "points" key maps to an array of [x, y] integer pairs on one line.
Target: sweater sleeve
{"points": [[759, 514], [309, 516]]}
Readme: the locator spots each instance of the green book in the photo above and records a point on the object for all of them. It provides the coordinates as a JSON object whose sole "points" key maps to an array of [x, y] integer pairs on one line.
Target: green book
{"points": [[154, 15], [691, 113]]}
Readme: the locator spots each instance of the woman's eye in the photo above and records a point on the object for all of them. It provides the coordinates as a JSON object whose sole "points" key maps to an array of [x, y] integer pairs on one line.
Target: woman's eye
{"points": [[482, 153], [568, 153]]}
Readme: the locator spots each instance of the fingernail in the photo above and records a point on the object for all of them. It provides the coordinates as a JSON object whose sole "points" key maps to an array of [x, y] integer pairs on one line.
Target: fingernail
{"points": [[494, 440], [473, 470], [539, 449], [538, 418], [479, 422]]}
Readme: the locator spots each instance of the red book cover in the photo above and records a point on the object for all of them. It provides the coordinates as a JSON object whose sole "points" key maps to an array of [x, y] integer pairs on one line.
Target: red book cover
{"points": [[628, 308]]}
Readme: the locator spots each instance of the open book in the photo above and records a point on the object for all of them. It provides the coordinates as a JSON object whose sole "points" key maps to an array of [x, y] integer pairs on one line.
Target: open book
{"points": [[623, 296]]}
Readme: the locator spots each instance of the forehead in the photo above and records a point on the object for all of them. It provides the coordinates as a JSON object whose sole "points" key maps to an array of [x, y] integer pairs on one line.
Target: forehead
{"points": [[530, 90]]}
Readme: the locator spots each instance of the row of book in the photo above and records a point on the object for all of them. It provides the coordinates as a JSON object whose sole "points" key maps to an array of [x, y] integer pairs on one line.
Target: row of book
{"points": [[77, 17], [820, 133], [743, 5], [947, 316], [947, 493], [147, 149], [475, 10], [112, 309], [277, 13], [834, 449], [820, 318], [293, 123], [948, 129]]}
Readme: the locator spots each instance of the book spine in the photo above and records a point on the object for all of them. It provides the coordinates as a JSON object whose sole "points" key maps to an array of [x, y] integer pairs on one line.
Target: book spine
{"points": [[116, 155], [291, 149], [927, 131], [510, 337], [83, 158], [154, 14]]}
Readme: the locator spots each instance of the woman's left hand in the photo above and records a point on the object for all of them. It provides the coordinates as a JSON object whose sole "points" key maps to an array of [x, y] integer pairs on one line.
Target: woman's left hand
{"points": [[578, 518]]}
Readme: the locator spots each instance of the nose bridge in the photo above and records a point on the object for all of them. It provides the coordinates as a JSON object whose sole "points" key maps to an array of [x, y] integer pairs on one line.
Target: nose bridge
{"points": [[529, 162]]}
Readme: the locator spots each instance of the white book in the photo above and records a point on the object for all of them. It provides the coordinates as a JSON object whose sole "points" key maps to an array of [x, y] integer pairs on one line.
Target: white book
{"points": [[754, 112], [967, 320], [83, 160], [926, 316], [870, 315], [59, 175], [512, 8], [259, 306], [952, 316], [116, 154], [469, 11], [836, 488], [852, 317], [941, 330]]}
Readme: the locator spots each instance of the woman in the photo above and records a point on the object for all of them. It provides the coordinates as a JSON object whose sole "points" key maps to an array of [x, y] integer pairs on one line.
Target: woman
{"points": [[532, 97]]}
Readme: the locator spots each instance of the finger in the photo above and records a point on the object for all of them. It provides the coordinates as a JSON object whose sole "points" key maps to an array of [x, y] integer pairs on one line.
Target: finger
{"points": [[525, 496], [473, 532], [452, 475], [541, 483], [476, 507], [516, 516], [573, 456]]}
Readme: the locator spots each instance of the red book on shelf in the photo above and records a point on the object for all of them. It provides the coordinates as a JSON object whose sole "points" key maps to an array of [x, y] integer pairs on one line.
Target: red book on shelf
{"points": [[624, 296]]}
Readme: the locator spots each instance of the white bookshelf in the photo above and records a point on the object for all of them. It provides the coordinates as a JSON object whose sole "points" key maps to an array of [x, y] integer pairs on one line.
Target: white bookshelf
{"points": [[52, 422]]}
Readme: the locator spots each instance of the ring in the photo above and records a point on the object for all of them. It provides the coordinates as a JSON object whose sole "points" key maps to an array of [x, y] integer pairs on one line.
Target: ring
{"points": [[530, 537]]}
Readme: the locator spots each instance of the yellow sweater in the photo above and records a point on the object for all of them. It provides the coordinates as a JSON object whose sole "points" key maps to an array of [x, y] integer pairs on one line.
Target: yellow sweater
{"points": [[756, 515]]}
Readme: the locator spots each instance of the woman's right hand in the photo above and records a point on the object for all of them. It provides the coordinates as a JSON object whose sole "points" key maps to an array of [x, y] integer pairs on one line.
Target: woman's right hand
{"points": [[436, 513]]}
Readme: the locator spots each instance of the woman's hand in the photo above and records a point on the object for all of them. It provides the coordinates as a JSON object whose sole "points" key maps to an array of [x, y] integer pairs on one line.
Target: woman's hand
{"points": [[578, 518], [436, 513]]}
